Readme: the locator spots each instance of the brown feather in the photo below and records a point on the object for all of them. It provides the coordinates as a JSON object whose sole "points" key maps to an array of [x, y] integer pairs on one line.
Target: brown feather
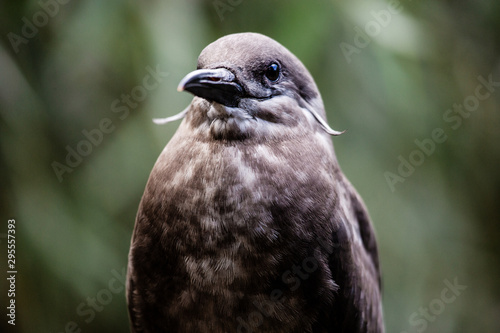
{"points": [[247, 223]]}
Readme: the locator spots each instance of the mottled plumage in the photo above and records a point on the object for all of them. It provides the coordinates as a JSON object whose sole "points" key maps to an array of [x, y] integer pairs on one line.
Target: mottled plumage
{"points": [[247, 223]]}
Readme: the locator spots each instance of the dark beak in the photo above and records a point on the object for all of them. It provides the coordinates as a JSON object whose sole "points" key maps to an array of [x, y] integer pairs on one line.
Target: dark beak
{"points": [[218, 85]]}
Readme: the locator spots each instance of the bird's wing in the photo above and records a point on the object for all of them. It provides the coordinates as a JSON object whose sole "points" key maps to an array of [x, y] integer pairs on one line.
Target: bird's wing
{"points": [[134, 299], [366, 231], [355, 267], [133, 310]]}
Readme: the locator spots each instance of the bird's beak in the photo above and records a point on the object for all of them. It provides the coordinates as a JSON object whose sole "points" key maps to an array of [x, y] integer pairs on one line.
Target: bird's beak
{"points": [[218, 85]]}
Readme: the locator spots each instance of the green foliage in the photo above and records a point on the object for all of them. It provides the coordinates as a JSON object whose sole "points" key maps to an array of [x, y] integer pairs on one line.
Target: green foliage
{"points": [[388, 74]]}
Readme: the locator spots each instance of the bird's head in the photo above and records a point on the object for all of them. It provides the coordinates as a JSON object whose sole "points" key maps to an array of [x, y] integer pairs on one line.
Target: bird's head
{"points": [[247, 86]]}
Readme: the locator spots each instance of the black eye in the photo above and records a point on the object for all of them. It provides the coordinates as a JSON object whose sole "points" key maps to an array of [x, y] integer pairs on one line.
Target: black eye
{"points": [[273, 72]]}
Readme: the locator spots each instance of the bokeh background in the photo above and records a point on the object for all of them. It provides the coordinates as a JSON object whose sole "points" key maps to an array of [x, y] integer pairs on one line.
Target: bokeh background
{"points": [[67, 66]]}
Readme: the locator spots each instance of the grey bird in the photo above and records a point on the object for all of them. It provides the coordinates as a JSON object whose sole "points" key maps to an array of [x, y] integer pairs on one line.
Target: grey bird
{"points": [[247, 223]]}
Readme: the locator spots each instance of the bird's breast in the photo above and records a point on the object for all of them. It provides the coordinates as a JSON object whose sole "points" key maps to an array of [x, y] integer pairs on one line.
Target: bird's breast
{"points": [[222, 217], [231, 219]]}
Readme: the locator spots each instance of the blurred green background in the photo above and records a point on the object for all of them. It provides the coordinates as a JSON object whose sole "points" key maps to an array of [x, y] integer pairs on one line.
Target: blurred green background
{"points": [[389, 74]]}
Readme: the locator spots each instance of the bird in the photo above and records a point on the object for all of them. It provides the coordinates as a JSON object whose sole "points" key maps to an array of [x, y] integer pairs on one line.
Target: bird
{"points": [[247, 223]]}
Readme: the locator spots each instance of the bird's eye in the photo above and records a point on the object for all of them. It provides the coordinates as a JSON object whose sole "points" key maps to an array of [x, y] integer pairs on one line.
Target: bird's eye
{"points": [[273, 72]]}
